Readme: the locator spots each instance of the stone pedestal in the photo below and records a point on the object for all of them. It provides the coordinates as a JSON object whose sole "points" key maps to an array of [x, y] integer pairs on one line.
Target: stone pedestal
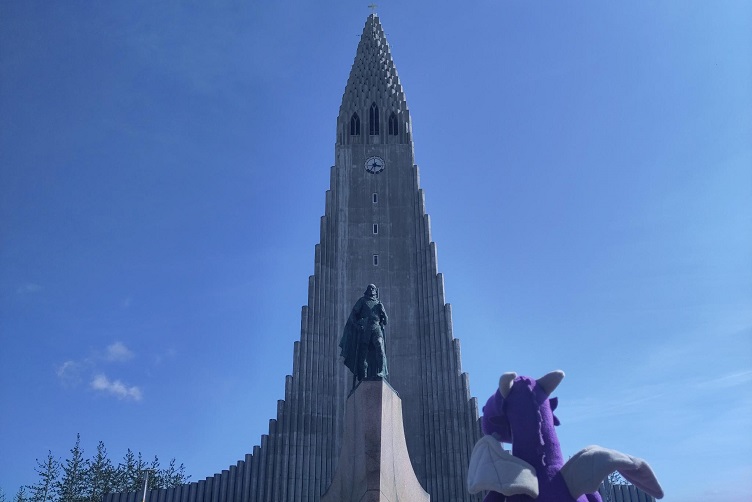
{"points": [[374, 465]]}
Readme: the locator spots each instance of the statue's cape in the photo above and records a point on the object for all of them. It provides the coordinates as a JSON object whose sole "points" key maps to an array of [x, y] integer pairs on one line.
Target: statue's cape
{"points": [[349, 343]]}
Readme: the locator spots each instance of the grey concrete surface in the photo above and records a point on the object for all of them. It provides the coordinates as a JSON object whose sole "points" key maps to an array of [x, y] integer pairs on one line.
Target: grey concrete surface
{"points": [[374, 463]]}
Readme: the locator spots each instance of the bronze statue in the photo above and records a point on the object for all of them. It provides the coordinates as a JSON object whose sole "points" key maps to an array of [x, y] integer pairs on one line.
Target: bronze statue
{"points": [[362, 342]]}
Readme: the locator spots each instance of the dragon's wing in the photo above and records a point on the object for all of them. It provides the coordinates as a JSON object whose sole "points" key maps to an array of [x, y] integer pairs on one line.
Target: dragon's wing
{"points": [[585, 471], [494, 469]]}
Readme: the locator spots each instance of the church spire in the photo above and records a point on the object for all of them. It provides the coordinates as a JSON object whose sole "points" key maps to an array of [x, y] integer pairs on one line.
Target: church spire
{"points": [[374, 230], [373, 107]]}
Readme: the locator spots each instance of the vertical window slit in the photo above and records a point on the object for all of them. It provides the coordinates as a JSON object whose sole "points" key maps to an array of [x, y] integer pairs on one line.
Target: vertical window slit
{"points": [[373, 120], [354, 125], [393, 125]]}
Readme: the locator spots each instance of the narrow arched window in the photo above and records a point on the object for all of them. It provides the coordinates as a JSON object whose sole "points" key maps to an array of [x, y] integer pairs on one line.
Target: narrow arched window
{"points": [[393, 127], [354, 125], [373, 120]]}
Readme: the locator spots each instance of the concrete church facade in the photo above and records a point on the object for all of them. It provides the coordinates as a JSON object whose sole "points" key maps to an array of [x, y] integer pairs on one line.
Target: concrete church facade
{"points": [[375, 230]]}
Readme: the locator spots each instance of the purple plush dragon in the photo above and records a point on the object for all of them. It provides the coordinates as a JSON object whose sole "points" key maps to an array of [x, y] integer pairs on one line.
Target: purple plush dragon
{"points": [[521, 413]]}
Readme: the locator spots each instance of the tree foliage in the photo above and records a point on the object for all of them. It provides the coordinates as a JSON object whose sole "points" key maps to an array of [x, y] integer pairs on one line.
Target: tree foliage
{"points": [[80, 479], [72, 486], [102, 475], [45, 489], [21, 495], [608, 485]]}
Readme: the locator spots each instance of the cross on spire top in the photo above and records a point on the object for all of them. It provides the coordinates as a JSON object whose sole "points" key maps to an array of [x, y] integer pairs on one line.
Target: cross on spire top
{"points": [[373, 8]]}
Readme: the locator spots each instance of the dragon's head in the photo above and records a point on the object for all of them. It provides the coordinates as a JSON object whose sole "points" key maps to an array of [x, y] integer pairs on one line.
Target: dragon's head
{"points": [[519, 400]]}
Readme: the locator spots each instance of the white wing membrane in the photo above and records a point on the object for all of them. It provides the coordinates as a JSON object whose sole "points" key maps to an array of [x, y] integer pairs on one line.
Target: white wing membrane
{"points": [[494, 469], [585, 471]]}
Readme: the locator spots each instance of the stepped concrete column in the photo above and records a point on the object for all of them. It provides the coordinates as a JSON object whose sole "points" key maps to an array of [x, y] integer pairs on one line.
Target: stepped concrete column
{"points": [[374, 465]]}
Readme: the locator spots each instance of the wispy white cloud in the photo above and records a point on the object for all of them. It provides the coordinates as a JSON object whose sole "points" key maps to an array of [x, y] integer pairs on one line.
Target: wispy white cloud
{"points": [[116, 388], [118, 352], [66, 368], [74, 372], [621, 401], [726, 381], [159, 358], [69, 373], [669, 394], [28, 288]]}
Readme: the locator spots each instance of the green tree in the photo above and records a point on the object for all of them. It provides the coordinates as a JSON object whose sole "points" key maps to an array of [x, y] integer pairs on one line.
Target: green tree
{"points": [[72, 487], [21, 495], [101, 475], [173, 475], [155, 474], [125, 472], [130, 472], [608, 485], [45, 490], [77, 479]]}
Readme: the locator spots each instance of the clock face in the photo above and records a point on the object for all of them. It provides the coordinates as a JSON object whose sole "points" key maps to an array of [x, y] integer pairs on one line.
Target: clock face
{"points": [[375, 165]]}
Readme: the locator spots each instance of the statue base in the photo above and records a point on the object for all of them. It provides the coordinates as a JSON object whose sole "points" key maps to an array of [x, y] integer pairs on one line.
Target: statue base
{"points": [[374, 465]]}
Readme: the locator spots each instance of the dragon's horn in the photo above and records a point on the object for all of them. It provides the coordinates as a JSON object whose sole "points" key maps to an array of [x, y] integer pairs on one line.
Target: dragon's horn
{"points": [[505, 383], [550, 381]]}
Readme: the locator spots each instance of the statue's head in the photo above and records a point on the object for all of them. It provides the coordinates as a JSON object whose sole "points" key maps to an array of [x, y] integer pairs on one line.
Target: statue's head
{"points": [[372, 291]]}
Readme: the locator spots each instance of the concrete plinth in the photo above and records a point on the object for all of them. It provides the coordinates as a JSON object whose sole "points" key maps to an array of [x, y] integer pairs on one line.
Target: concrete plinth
{"points": [[374, 465]]}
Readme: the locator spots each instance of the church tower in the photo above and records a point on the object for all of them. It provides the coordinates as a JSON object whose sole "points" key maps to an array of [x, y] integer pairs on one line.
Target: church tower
{"points": [[381, 235], [375, 230]]}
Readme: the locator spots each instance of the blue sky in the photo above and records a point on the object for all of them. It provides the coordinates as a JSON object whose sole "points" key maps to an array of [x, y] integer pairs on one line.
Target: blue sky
{"points": [[587, 168]]}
